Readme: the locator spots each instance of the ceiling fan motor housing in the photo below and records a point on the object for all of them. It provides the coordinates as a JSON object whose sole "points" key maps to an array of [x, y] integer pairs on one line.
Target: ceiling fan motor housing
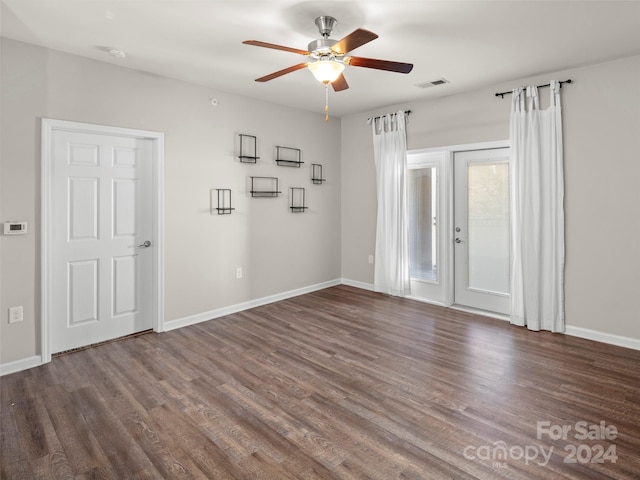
{"points": [[321, 47]]}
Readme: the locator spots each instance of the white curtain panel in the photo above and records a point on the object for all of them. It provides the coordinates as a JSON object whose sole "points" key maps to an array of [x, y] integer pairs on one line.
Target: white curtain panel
{"points": [[391, 273], [537, 186]]}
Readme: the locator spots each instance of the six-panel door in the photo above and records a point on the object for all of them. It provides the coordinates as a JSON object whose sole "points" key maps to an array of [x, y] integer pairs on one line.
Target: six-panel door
{"points": [[102, 204]]}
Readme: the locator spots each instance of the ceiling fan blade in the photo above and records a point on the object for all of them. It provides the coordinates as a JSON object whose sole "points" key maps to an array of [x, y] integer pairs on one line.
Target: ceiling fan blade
{"points": [[379, 64], [340, 84], [257, 43], [279, 73], [355, 39]]}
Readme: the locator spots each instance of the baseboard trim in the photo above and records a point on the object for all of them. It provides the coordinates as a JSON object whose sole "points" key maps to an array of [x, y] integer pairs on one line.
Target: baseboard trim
{"points": [[357, 284], [603, 337], [239, 307], [19, 365]]}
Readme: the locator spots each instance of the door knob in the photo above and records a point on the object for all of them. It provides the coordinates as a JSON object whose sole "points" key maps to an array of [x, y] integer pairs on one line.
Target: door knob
{"points": [[146, 244], [458, 240]]}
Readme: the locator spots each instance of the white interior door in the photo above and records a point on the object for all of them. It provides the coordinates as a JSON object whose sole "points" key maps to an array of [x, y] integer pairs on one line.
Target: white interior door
{"points": [[482, 229], [101, 229]]}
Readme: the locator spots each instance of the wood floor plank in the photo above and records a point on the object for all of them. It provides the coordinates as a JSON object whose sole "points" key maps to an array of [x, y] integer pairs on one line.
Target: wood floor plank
{"points": [[341, 383]]}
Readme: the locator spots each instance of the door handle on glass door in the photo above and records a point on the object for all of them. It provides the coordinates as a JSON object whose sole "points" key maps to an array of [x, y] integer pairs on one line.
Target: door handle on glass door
{"points": [[146, 244]]}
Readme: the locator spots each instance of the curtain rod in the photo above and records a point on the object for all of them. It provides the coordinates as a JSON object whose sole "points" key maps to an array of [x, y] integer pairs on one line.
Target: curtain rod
{"points": [[502, 94], [406, 112]]}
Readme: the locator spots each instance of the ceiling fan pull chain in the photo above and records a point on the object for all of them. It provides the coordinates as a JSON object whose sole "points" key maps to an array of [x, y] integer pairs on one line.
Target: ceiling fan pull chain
{"points": [[326, 101]]}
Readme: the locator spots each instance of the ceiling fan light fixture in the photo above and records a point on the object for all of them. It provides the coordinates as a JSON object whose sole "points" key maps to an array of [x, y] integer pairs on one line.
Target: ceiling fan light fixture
{"points": [[326, 71]]}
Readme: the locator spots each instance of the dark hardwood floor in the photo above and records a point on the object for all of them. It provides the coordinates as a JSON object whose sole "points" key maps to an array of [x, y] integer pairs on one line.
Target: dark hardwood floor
{"points": [[341, 383]]}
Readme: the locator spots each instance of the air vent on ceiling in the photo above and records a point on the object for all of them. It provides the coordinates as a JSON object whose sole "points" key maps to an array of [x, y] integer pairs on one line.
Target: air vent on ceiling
{"points": [[432, 83]]}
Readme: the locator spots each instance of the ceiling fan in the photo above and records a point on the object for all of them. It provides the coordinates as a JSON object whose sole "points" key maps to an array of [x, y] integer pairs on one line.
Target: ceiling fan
{"points": [[327, 58]]}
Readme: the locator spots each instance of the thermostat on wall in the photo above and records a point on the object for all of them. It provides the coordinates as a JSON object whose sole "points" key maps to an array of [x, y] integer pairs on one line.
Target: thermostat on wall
{"points": [[15, 228]]}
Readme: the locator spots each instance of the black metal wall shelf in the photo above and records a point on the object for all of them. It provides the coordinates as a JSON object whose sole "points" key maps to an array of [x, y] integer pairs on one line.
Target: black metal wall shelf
{"points": [[298, 200], [264, 187], [223, 205], [248, 148], [288, 157], [316, 174]]}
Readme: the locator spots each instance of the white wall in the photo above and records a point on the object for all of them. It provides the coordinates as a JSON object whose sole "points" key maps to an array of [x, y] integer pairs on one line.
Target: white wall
{"points": [[601, 117], [278, 250]]}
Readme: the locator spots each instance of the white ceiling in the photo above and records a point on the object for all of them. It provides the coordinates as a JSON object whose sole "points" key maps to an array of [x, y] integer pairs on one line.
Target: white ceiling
{"points": [[470, 43]]}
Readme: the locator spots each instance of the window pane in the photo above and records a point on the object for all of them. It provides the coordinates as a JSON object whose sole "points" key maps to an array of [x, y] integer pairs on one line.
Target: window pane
{"points": [[422, 208], [489, 243]]}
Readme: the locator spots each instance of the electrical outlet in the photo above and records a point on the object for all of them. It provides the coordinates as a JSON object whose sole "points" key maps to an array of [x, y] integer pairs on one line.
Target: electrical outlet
{"points": [[239, 272], [15, 314], [371, 259]]}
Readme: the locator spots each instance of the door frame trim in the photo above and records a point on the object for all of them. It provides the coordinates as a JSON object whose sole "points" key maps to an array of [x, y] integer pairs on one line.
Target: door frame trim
{"points": [[48, 126]]}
